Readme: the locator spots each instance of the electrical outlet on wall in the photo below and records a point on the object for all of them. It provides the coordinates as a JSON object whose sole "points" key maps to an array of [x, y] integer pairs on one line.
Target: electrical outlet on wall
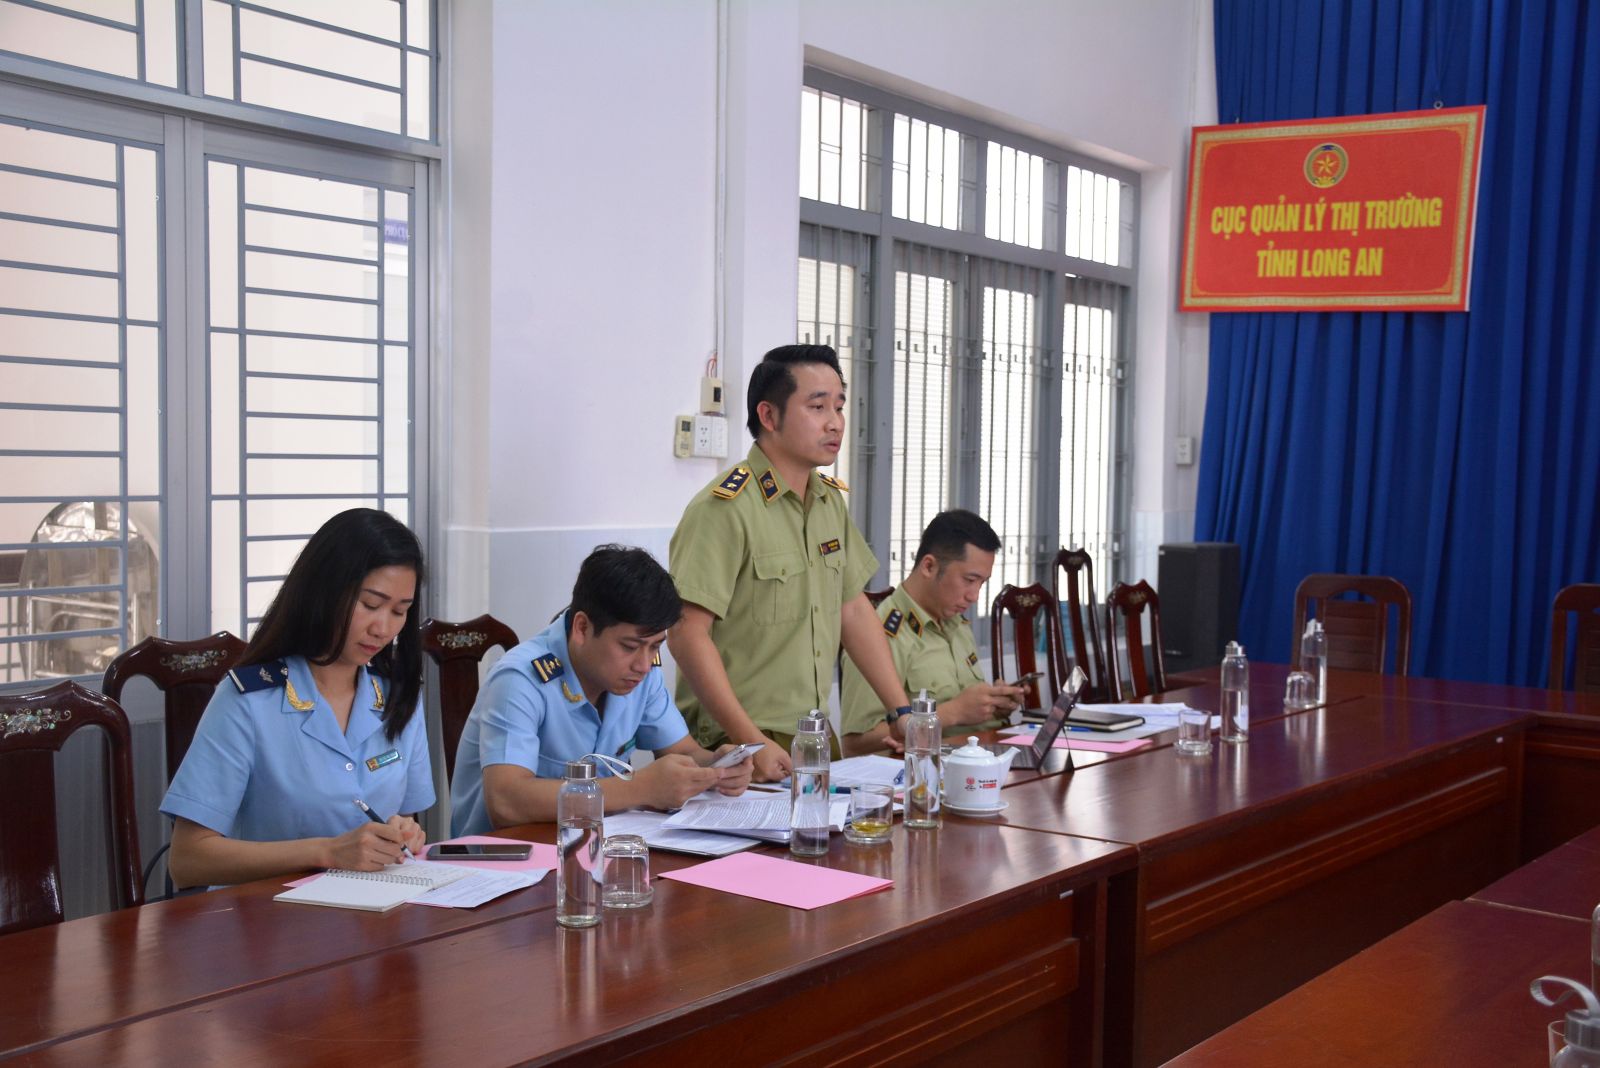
{"points": [[683, 436], [710, 436]]}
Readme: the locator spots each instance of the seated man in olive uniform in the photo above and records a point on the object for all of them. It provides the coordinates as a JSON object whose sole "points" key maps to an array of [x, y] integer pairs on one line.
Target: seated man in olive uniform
{"points": [[931, 638], [771, 571]]}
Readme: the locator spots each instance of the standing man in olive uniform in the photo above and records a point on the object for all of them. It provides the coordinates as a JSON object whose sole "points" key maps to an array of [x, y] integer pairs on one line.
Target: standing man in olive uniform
{"points": [[771, 571], [931, 639]]}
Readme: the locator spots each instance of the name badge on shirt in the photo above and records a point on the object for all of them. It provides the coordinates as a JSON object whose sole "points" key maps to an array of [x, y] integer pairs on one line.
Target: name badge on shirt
{"points": [[830, 546], [972, 659], [383, 760]]}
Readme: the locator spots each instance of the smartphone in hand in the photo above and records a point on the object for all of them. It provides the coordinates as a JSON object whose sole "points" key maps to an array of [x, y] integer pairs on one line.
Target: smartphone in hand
{"points": [[737, 755]]}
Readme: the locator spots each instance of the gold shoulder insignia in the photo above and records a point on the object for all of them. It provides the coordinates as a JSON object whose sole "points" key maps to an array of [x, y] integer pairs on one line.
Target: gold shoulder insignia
{"points": [[835, 483], [891, 622], [916, 624], [294, 698], [972, 659], [655, 659], [768, 484], [377, 694], [566, 691], [547, 667], [731, 483]]}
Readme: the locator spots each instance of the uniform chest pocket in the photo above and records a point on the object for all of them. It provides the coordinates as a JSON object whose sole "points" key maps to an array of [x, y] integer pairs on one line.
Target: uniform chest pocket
{"points": [[781, 587]]}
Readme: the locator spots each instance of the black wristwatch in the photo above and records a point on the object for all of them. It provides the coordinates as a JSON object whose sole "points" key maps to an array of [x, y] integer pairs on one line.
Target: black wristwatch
{"points": [[891, 716]]}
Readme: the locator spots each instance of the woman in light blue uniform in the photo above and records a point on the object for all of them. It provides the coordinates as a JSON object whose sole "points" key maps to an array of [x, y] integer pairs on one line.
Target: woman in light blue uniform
{"points": [[323, 711]]}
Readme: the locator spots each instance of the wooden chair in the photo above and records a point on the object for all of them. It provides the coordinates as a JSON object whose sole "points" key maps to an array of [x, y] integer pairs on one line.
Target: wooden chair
{"points": [[1584, 599], [1081, 635], [877, 596], [1357, 631], [1024, 604], [1128, 603], [33, 728], [186, 673], [457, 649]]}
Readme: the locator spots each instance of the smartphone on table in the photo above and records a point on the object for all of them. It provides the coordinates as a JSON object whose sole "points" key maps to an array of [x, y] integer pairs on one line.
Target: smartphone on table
{"points": [[480, 851]]}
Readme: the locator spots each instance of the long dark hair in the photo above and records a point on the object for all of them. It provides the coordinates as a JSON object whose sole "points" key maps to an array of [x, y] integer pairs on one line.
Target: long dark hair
{"points": [[310, 616]]}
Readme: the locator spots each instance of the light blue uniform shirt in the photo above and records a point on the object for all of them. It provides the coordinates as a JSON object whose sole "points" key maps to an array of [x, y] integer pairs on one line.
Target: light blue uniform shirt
{"points": [[261, 770], [532, 713]]}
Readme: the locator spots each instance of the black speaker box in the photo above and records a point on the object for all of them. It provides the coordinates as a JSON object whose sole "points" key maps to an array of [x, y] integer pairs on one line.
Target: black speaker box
{"points": [[1198, 582]]}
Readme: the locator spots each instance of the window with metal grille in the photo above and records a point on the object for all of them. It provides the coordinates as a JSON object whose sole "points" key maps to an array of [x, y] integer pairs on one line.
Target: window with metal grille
{"points": [[835, 283], [135, 39], [367, 63], [194, 374], [310, 369], [925, 353], [80, 447], [1003, 388], [840, 150]]}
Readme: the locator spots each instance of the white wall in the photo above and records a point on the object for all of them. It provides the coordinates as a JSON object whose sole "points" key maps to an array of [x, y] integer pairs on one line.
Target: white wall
{"points": [[583, 211]]}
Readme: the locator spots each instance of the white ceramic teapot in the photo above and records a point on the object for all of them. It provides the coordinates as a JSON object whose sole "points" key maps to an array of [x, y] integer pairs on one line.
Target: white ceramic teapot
{"points": [[973, 776]]}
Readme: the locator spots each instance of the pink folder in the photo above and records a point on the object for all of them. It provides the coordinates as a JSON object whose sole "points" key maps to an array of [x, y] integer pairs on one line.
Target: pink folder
{"points": [[786, 882]]}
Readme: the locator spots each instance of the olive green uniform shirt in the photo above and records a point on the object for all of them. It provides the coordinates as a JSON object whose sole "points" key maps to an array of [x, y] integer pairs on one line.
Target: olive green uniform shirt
{"points": [[776, 570], [940, 657]]}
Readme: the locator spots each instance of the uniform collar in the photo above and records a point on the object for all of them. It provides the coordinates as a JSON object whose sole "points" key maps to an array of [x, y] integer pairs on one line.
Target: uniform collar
{"points": [[761, 468], [319, 721], [908, 604], [555, 641]]}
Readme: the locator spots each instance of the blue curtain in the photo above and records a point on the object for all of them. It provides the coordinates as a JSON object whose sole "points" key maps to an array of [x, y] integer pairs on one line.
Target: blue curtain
{"points": [[1459, 453]]}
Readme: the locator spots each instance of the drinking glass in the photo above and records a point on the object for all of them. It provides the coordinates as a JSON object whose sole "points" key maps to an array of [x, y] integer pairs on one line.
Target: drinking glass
{"points": [[1300, 692], [871, 814], [1194, 732], [625, 873]]}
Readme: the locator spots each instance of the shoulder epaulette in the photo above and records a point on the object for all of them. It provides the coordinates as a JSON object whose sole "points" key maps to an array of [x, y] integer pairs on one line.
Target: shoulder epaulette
{"points": [[731, 483], [547, 667], [891, 622], [253, 677], [835, 483]]}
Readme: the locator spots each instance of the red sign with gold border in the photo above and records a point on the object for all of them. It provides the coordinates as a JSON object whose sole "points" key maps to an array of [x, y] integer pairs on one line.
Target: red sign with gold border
{"points": [[1351, 214]]}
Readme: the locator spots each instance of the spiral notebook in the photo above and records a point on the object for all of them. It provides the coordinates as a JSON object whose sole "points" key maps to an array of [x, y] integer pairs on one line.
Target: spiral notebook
{"points": [[374, 891]]}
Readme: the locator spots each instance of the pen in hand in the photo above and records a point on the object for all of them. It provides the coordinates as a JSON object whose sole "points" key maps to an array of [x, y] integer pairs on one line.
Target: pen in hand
{"points": [[375, 818]]}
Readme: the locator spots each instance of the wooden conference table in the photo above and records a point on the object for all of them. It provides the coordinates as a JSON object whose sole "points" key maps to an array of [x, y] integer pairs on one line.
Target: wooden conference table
{"points": [[1451, 988], [1115, 915]]}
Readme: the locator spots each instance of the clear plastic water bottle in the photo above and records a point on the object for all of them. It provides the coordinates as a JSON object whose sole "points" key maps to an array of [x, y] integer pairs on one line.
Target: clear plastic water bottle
{"points": [[1235, 694], [922, 775], [1581, 1029], [1314, 657], [808, 787], [580, 828], [1594, 948]]}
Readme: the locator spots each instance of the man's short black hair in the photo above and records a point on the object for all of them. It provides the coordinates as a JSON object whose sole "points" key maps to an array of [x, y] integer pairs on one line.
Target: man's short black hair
{"points": [[949, 534], [773, 378], [621, 584]]}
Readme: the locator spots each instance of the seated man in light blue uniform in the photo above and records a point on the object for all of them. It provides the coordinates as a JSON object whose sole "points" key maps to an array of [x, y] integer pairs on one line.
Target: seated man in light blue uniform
{"points": [[304, 727], [589, 683]]}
